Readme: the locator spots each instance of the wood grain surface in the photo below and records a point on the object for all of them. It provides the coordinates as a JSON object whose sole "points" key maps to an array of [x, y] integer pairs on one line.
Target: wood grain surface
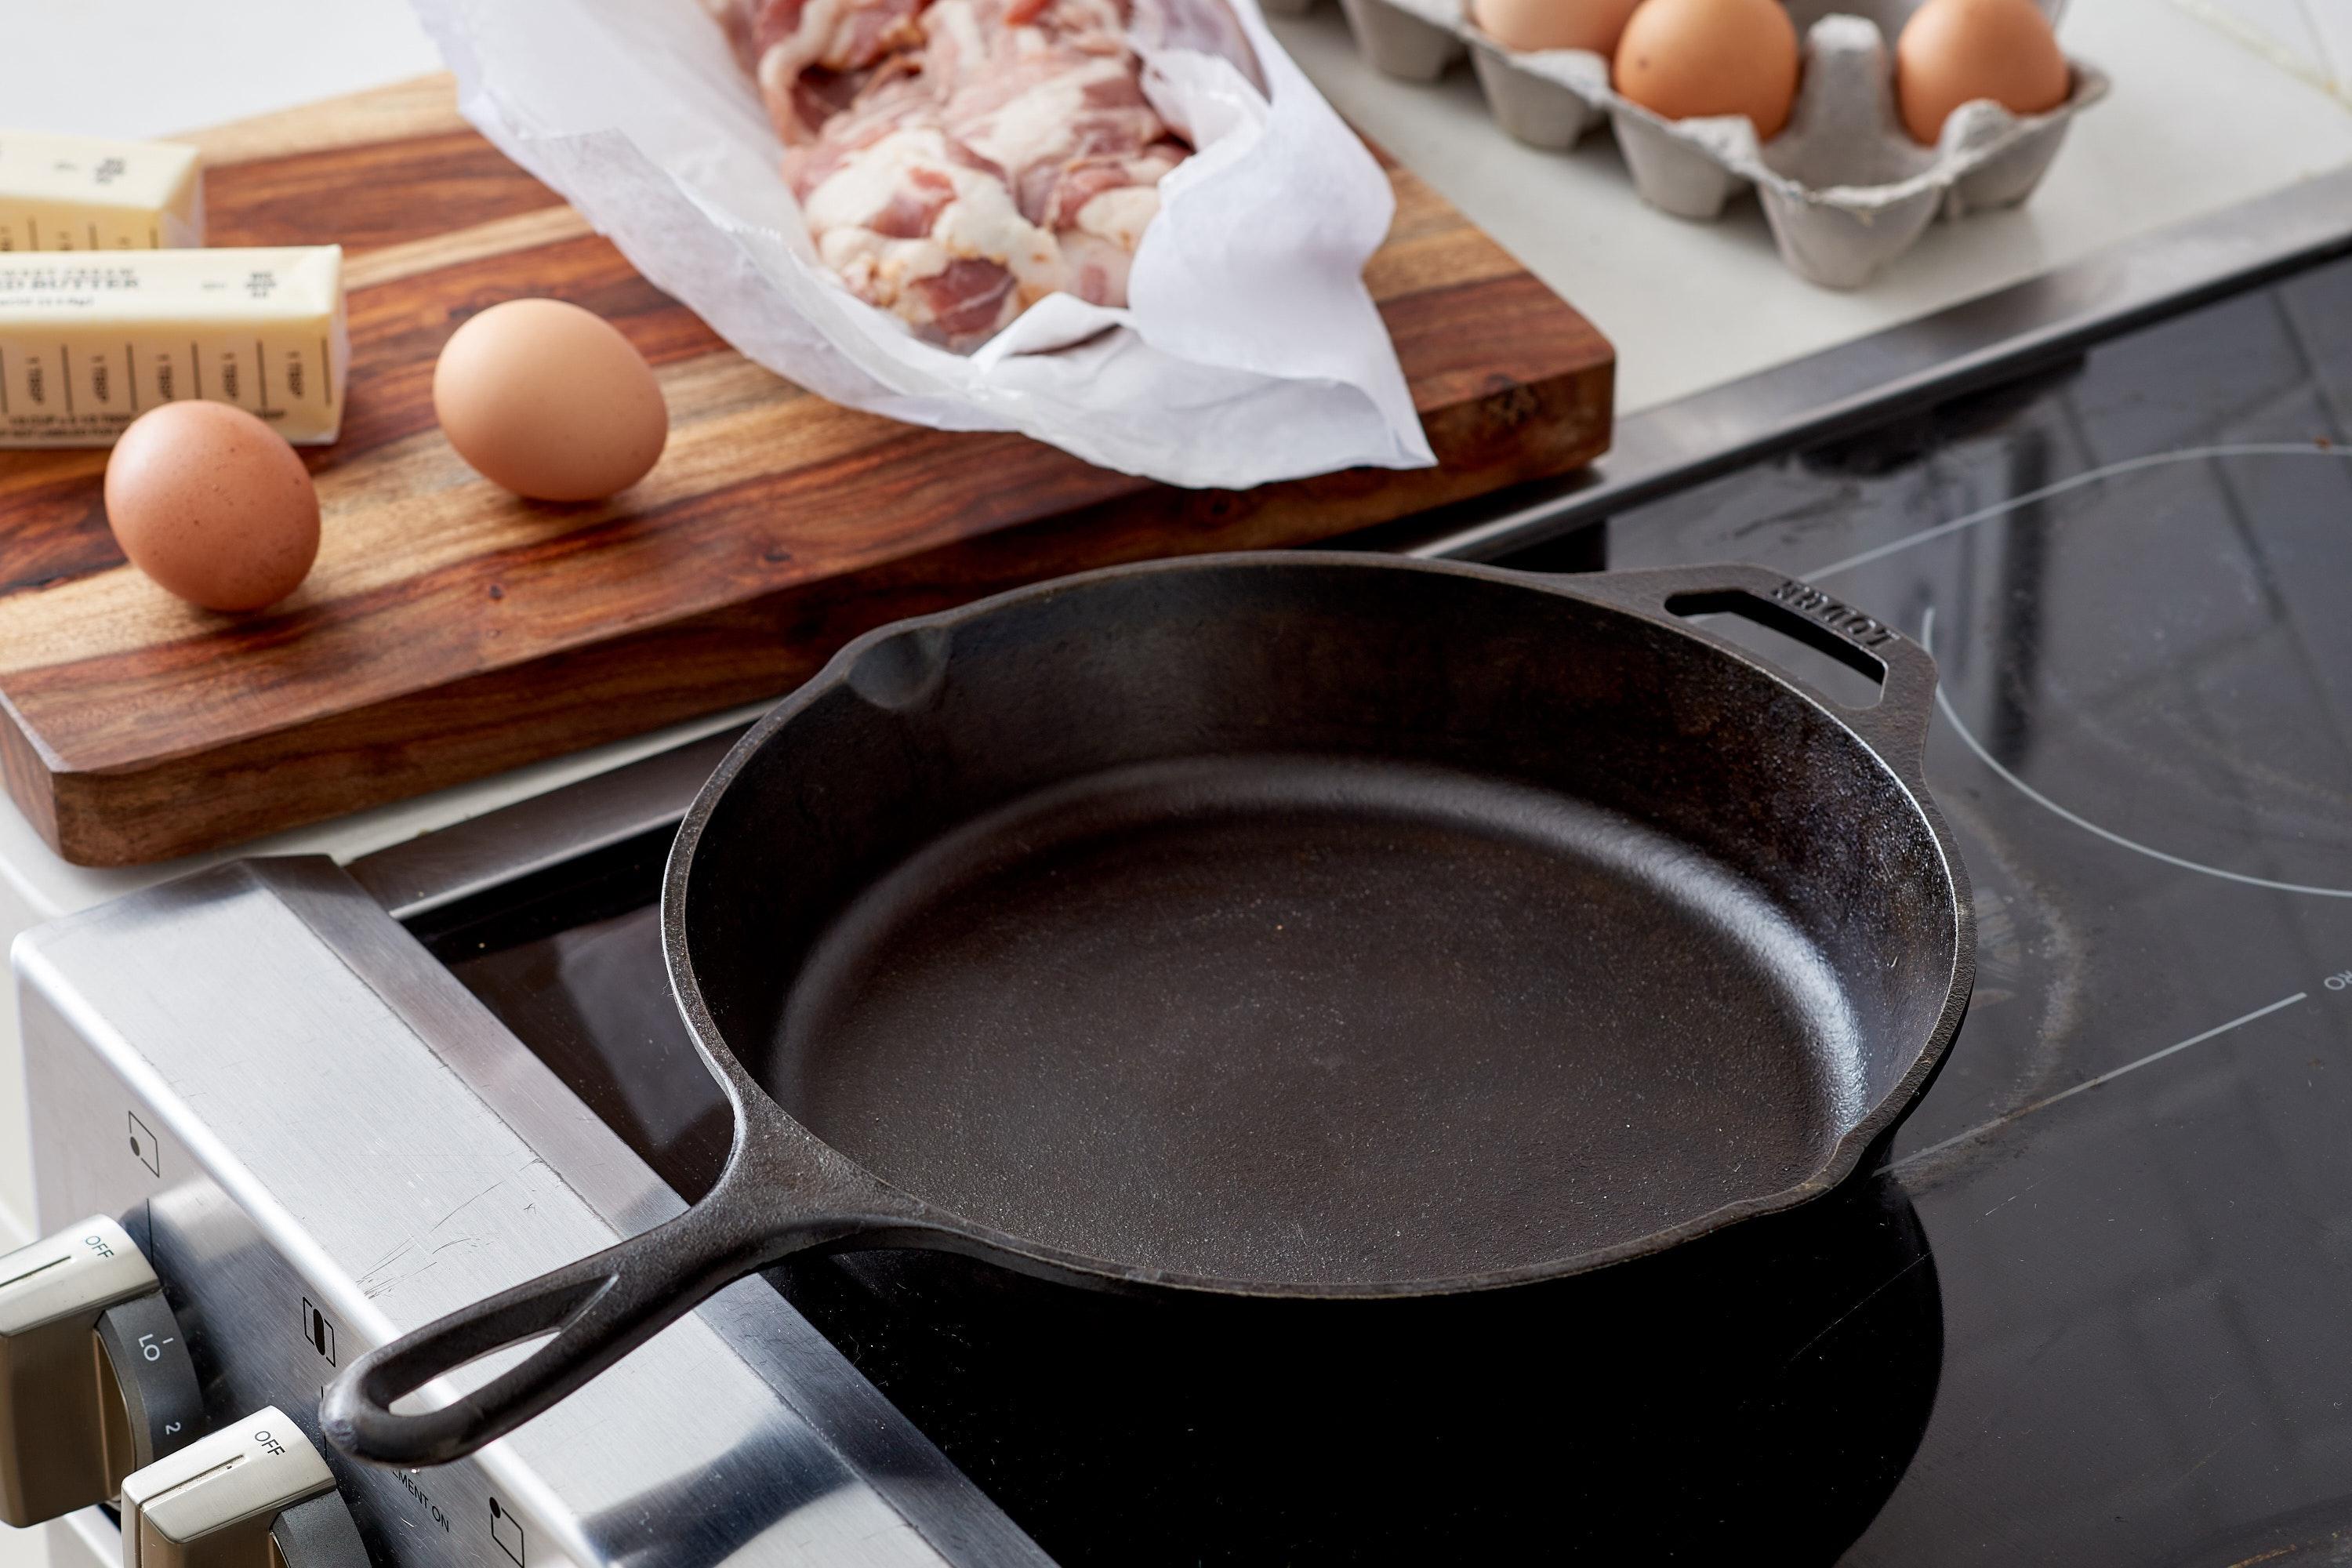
{"points": [[450, 630]]}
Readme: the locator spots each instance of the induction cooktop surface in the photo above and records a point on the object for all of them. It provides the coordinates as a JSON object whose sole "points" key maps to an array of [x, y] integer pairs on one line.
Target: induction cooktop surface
{"points": [[2090, 1306]]}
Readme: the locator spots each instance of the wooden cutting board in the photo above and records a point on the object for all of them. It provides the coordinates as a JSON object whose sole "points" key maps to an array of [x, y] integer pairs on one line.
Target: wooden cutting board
{"points": [[451, 630]]}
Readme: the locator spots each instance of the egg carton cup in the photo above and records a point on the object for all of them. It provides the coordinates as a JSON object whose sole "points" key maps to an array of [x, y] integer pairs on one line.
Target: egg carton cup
{"points": [[1844, 186]]}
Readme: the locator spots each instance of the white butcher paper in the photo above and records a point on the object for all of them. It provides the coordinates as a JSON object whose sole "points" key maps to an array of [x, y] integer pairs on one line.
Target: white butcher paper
{"points": [[1249, 349]]}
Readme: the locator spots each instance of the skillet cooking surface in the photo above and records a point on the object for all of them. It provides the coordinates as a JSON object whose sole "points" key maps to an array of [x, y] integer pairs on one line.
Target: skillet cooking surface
{"points": [[1220, 1013], [1323, 924]]}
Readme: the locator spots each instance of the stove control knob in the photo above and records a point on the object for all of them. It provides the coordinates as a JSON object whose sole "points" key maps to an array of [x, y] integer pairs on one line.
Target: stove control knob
{"points": [[254, 1495], [95, 1379]]}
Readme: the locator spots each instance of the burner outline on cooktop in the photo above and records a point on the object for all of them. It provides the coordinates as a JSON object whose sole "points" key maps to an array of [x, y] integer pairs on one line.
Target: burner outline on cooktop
{"points": [[2075, 482], [1968, 737], [2006, 1117], [2029, 498]]}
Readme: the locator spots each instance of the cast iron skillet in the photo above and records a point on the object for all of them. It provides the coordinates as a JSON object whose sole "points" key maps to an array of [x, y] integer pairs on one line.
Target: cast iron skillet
{"points": [[1283, 925]]}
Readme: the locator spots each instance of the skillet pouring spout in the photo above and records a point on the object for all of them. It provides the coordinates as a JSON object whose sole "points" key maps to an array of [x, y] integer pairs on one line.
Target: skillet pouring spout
{"points": [[1330, 928]]}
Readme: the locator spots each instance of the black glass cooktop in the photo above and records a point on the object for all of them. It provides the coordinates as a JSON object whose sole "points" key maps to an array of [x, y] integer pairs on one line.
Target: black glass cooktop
{"points": [[2094, 1304]]}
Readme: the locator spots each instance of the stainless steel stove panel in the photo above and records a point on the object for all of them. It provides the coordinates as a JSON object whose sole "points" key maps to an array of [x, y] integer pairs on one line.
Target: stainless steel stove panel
{"points": [[239, 1064]]}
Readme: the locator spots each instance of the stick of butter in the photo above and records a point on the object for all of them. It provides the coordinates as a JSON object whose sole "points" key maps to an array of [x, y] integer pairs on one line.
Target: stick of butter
{"points": [[89, 342], [76, 193]]}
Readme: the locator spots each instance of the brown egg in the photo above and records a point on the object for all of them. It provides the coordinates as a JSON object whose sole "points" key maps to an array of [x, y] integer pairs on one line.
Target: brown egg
{"points": [[1526, 24], [212, 504], [549, 401], [1955, 51], [1689, 59]]}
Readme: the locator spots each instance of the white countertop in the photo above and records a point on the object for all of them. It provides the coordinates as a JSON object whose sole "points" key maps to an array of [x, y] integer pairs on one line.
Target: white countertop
{"points": [[151, 68], [2196, 122]]}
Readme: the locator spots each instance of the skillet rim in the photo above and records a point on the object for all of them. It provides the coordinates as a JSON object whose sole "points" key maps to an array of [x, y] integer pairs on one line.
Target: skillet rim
{"points": [[910, 1219]]}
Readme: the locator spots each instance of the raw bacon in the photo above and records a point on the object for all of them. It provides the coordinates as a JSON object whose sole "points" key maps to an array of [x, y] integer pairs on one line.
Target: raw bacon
{"points": [[960, 160], [811, 57]]}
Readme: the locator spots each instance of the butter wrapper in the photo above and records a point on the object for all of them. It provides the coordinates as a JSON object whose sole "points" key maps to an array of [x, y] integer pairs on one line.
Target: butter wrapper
{"points": [[83, 192], [92, 339]]}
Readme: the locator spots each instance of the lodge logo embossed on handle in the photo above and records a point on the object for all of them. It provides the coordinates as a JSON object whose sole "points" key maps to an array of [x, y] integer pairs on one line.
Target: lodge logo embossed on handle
{"points": [[1868, 631]]}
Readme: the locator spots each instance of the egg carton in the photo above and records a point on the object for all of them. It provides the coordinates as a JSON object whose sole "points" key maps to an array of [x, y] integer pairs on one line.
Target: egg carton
{"points": [[1845, 187]]}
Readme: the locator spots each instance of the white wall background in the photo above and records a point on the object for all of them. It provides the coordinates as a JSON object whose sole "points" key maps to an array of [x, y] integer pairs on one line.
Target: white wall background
{"points": [[144, 67]]}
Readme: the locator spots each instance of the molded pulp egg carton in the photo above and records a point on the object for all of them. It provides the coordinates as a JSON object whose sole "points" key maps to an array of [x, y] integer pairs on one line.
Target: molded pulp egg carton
{"points": [[1845, 187]]}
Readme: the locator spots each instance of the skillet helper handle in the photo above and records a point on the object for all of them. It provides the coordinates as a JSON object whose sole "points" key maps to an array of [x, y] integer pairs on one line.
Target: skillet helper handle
{"points": [[1896, 726], [599, 1310]]}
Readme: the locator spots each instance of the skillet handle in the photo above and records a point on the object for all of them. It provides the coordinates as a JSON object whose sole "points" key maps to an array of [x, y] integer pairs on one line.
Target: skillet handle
{"points": [[1896, 726], [599, 1310]]}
